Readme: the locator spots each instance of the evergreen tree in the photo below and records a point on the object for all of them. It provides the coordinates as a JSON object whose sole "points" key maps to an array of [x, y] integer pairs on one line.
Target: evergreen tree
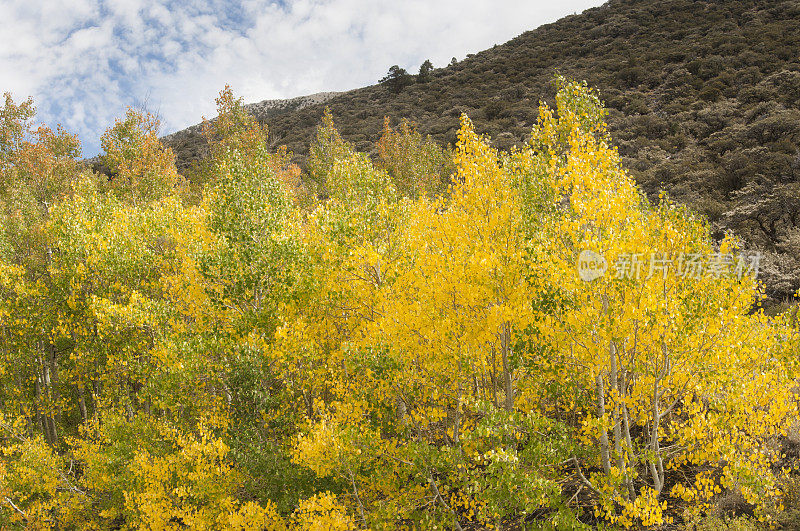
{"points": [[396, 79], [425, 71]]}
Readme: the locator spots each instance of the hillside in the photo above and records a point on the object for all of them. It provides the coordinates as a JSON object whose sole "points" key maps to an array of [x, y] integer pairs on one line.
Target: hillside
{"points": [[704, 101]]}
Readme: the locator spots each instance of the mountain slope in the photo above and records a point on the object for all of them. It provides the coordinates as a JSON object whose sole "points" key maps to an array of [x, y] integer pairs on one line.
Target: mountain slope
{"points": [[704, 100]]}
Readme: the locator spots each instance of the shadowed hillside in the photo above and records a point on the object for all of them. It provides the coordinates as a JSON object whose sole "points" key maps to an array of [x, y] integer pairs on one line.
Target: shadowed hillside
{"points": [[704, 102]]}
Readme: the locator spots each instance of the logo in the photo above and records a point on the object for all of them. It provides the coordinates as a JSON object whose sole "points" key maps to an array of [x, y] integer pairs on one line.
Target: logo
{"points": [[591, 266]]}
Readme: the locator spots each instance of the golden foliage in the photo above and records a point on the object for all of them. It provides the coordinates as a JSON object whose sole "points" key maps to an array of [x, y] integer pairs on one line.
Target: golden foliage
{"points": [[382, 353]]}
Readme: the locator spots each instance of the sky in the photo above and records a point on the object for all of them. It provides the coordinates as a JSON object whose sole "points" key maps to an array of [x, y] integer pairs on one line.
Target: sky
{"points": [[84, 61]]}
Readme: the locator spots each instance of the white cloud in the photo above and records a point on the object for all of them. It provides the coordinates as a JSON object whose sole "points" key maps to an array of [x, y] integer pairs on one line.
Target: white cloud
{"points": [[84, 61]]}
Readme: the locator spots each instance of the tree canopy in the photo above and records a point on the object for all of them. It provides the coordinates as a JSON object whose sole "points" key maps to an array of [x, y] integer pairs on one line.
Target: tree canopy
{"points": [[405, 342]]}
